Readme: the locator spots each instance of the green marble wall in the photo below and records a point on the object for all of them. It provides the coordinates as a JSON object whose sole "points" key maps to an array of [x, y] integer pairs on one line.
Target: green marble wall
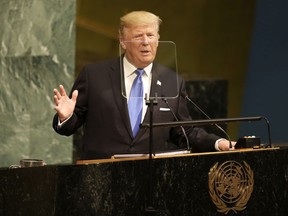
{"points": [[37, 53]]}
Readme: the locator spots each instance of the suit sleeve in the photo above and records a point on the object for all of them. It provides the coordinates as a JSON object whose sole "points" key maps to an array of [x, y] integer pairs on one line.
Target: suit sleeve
{"points": [[79, 114]]}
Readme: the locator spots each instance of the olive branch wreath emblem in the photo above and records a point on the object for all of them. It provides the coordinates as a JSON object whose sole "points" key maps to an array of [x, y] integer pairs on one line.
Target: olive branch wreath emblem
{"points": [[230, 186]]}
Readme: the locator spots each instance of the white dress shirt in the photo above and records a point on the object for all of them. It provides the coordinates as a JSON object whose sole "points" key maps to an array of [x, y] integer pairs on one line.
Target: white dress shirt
{"points": [[130, 75]]}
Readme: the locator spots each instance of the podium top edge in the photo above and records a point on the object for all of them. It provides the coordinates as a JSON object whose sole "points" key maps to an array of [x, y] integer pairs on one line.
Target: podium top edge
{"points": [[146, 157]]}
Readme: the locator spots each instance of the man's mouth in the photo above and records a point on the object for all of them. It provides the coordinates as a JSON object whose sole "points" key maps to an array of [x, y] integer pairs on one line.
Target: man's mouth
{"points": [[145, 51]]}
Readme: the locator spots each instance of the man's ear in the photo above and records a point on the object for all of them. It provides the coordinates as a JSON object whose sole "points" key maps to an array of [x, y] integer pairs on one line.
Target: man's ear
{"points": [[123, 45]]}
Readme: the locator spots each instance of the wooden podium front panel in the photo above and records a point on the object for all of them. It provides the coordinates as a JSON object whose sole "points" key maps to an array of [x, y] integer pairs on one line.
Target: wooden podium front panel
{"points": [[180, 186]]}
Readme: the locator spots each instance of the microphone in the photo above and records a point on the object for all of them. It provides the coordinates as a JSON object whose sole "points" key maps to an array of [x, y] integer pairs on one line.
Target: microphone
{"points": [[184, 95], [182, 128]]}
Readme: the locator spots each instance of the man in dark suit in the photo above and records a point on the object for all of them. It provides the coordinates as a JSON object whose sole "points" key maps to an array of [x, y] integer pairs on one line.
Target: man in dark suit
{"points": [[101, 95]]}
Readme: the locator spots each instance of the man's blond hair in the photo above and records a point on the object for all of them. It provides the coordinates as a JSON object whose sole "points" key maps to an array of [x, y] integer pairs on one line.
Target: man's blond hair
{"points": [[138, 18]]}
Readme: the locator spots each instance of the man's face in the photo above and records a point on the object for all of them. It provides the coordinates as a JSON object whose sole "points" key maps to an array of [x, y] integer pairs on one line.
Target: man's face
{"points": [[140, 44]]}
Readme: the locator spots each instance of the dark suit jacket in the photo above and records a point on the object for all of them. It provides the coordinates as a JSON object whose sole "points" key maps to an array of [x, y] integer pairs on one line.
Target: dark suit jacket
{"points": [[102, 110]]}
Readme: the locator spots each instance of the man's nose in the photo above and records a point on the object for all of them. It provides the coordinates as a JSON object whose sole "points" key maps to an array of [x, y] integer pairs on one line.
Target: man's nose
{"points": [[145, 40]]}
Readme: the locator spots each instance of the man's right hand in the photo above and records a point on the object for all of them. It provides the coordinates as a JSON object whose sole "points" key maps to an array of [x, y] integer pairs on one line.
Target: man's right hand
{"points": [[64, 106]]}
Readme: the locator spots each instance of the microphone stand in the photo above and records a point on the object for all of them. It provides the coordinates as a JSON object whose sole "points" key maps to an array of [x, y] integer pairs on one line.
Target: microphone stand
{"points": [[151, 101], [212, 122], [208, 117]]}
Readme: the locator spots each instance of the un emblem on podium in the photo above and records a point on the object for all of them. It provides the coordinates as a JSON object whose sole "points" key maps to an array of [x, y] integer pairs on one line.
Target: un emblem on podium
{"points": [[230, 186]]}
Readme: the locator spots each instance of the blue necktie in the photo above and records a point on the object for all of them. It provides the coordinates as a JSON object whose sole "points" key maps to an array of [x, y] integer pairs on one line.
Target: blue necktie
{"points": [[135, 103]]}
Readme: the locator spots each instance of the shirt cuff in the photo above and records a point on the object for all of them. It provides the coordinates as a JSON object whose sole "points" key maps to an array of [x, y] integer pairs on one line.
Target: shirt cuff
{"points": [[217, 144], [61, 123]]}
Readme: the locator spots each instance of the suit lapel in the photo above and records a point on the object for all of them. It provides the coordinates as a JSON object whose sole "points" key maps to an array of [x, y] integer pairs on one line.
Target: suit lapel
{"points": [[118, 87], [156, 84], [155, 90]]}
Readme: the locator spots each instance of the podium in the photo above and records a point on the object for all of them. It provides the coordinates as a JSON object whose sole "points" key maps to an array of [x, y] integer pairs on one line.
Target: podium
{"points": [[190, 184]]}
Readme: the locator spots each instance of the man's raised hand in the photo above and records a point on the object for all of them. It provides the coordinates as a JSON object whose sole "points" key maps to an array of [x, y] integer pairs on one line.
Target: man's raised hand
{"points": [[64, 106]]}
